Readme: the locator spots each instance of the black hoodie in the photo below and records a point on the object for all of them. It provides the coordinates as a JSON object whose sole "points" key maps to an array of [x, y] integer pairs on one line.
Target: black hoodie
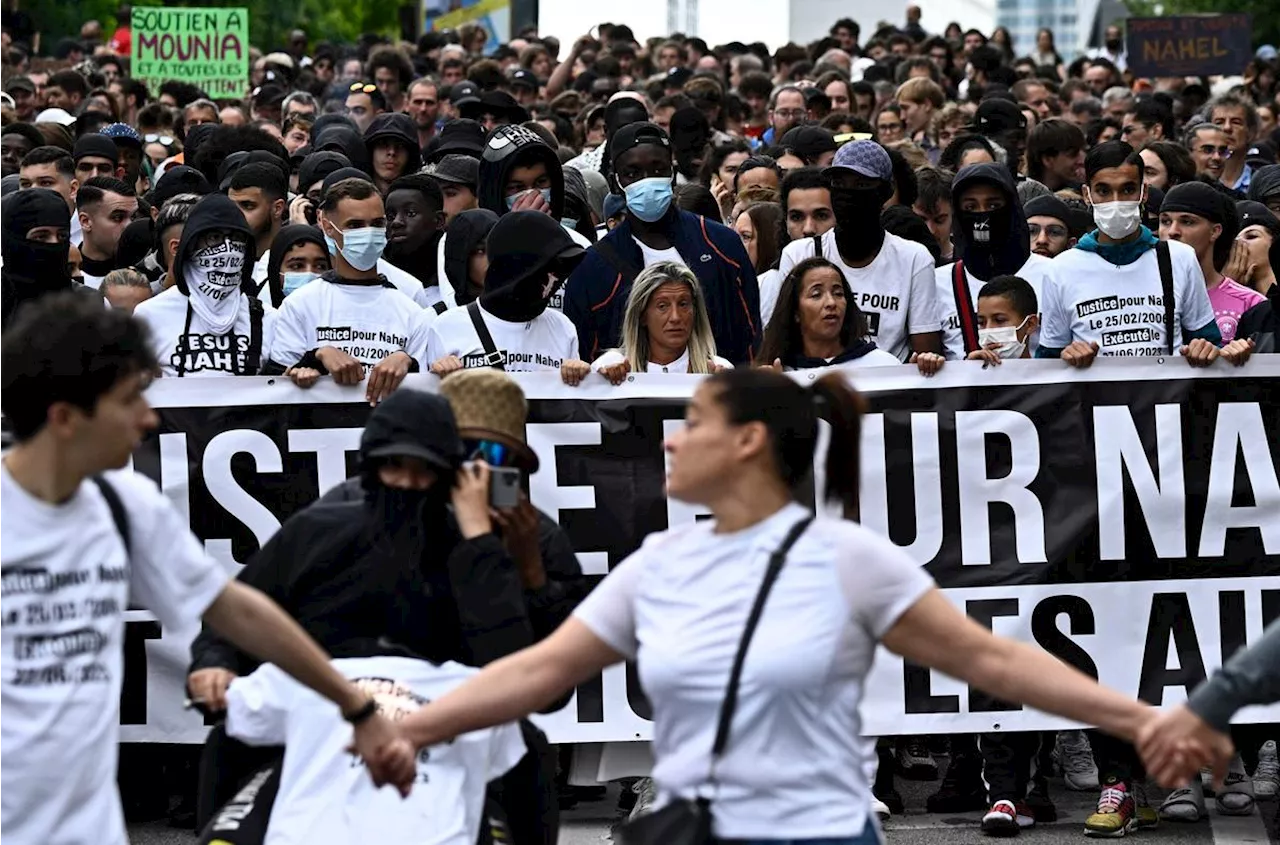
{"points": [[343, 139], [526, 249], [992, 243], [397, 127], [467, 231], [288, 237], [215, 211], [510, 147], [31, 269]]}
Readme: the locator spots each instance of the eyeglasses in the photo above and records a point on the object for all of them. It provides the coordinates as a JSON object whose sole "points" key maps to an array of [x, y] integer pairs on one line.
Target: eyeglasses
{"points": [[363, 88], [790, 113], [1209, 149], [1051, 231], [163, 140], [493, 453], [889, 127]]}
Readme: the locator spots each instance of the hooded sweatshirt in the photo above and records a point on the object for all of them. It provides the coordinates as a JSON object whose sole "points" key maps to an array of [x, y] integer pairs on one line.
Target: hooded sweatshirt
{"points": [[206, 325], [530, 255], [396, 127], [987, 244], [289, 237], [343, 139], [510, 147], [32, 269], [466, 233]]}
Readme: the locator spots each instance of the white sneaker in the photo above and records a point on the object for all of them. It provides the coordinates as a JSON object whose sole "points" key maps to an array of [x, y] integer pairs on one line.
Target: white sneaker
{"points": [[1185, 805], [1079, 772], [1266, 778], [1236, 796], [880, 809], [645, 795]]}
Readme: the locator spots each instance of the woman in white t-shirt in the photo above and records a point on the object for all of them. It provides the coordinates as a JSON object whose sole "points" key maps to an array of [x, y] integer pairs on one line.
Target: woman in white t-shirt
{"points": [[665, 330], [816, 323], [793, 768]]}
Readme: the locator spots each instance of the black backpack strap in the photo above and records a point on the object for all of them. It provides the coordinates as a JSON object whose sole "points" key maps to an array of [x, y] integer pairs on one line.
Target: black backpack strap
{"points": [[625, 268], [253, 357], [964, 307], [735, 674], [817, 246], [118, 514], [492, 357], [440, 307], [1166, 285]]}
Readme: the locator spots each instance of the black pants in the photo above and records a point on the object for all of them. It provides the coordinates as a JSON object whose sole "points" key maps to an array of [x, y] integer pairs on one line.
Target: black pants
{"points": [[1117, 760], [226, 765], [1009, 762]]}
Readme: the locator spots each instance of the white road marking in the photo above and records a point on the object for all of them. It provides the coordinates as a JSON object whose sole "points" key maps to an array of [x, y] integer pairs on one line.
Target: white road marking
{"points": [[1238, 830]]}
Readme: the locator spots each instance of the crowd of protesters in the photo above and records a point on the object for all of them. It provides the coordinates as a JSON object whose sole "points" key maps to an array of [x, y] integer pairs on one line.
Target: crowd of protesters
{"points": [[611, 206]]}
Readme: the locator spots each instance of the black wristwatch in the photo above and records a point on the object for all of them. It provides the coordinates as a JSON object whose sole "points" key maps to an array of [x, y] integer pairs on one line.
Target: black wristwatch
{"points": [[363, 714]]}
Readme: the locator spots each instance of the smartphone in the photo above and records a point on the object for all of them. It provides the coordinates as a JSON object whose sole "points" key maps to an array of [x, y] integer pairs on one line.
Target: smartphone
{"points": [[504, 487]]}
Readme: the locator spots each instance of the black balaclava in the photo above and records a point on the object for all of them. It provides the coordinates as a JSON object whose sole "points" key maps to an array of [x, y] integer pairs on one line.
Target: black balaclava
{"points": [[530, 256], [466, 231], [859, 233], [31, 269], [991, 243]]}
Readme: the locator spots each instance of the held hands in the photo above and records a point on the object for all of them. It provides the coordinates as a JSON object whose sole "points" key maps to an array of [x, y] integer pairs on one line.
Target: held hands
{"points": [[301, 210], [927, 362], [208, 688], [386, 376], [344, 369], [1080, 354], [1237, 352], [390, 758], [988, 357], [1176, 743]]}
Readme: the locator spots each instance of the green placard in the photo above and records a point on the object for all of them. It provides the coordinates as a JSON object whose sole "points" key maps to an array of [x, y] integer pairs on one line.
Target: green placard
{"points": [[206, 47]]}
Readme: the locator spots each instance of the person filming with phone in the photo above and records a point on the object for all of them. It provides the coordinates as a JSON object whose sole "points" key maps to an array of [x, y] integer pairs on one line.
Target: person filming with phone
{"points": [[434, 548]]}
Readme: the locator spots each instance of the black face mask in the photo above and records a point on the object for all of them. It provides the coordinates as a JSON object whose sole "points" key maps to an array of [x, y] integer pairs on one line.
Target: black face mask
{"points": [[1113, 46], [523, 301], [986, 230], [859, 232]]}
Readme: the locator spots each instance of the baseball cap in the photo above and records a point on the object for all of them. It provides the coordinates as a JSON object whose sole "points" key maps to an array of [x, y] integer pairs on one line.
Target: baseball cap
{"points": [[525, 78], [464, 92], [413, 424], [59, 116], [458, 136], [997, 115], [678, 76], [457, 170], [634, 135], [809, 142], [1261, 154], [863, 157], [19, 83], [122, 134]]}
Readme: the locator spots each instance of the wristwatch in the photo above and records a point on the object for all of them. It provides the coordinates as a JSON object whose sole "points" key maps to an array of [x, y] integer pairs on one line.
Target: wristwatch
{"points": [[363, 714]]}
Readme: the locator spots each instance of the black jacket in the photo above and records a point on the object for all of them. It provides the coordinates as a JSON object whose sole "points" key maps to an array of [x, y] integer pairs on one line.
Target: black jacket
{"points": [[351, 578], [1261, 323]]}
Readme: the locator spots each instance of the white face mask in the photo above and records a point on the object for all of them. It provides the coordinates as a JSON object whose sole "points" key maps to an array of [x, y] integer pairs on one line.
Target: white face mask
{"points": [[1118, 219], [213, 275], [1005, 340]]}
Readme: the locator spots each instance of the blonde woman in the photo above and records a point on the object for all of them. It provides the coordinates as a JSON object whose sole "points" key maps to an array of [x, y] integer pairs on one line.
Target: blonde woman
{"points": [[665, 330]]}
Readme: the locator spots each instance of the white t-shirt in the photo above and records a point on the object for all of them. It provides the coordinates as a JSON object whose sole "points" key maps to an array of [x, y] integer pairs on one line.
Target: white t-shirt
{"points": [[409, 285], [650, 256], [679, 365], [91, 281], [368, 322], [326, 796], [543, 343], [1033, 272], [67, 583], [794, 763], [1121, 308], [199, 352], [896, 290], [770, 283]]}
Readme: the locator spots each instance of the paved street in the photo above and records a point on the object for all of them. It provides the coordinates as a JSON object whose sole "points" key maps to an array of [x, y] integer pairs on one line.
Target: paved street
{"points": [[588, 824]]}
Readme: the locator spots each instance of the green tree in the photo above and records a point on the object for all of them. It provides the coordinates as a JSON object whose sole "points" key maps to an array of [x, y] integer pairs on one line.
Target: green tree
{"points": [[1263, 13], [269, 20]]}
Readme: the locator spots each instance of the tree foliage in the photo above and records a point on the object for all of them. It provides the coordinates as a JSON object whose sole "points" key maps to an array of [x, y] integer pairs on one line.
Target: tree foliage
{"points": [[1265, 14], [269, 20]]}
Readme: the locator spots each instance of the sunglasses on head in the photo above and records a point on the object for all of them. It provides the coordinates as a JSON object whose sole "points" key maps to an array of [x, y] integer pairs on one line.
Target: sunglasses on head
{"points": [[363, 88], [492, 452], [153, 138]]}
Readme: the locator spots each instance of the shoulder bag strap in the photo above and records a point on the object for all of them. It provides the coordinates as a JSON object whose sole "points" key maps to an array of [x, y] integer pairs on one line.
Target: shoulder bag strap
{"points": [[253, 356], [817, 246], [625, 268], [964, 307], [118, 514], [492, 357], [186, 331], [735, 675], [1166, 284]]}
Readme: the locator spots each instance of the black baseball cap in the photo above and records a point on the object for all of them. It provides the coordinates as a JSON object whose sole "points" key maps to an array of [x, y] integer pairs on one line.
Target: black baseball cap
{"points": [[997, 115], [524, 78], [809, 142], [456, 169], [636, 135], [464, 92]]}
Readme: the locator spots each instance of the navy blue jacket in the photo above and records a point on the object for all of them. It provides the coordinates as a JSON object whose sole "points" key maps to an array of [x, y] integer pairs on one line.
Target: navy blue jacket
{"points": [[595, 296]]}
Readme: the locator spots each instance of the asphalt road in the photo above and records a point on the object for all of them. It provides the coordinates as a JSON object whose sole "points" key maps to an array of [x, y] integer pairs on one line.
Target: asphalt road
{"points": [[588, 824]]}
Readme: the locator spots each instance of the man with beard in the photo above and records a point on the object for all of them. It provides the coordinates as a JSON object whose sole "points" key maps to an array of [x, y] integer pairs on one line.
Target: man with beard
{"points": [[1049, 221], [36, 230], [510, 326], [991, 239], [260, 191], [892, 278], [106, 206], [415, 224], [205, 325]]}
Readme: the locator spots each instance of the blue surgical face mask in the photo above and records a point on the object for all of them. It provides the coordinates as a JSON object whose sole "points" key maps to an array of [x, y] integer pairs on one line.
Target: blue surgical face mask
{"points": [[650, 198], [360, 247], [511, 200], [295, 280]]}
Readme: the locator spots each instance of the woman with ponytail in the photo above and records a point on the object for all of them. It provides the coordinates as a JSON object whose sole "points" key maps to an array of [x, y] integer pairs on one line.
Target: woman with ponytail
{"points": [[794, 765]]}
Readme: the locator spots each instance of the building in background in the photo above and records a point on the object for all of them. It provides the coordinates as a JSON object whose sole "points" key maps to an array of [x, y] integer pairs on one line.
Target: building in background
{"points": [[1077, 24]]}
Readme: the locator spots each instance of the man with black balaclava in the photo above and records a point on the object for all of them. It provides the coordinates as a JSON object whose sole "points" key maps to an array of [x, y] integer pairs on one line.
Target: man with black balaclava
{"points": [[510, 326], [205, 325], [655, 229], [36, 226], [892, 278], [991, 239]]}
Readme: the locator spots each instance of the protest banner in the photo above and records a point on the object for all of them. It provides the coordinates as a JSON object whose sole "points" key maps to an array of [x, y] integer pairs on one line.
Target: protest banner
{"points": [[493, 15], [1188, 45], [1126, 517], [207, 47]]}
